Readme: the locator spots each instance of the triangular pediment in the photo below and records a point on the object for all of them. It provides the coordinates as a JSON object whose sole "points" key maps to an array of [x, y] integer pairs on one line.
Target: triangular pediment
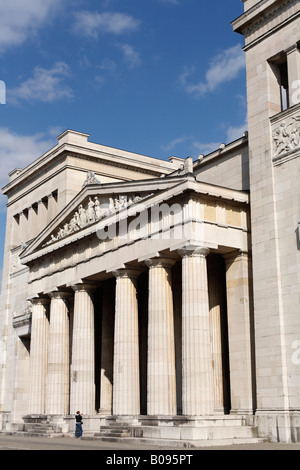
{"points": [[94, 203]]}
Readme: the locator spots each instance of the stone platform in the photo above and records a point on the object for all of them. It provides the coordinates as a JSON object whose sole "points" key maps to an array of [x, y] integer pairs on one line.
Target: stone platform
{"points": [[180, 432], [177, 431]]}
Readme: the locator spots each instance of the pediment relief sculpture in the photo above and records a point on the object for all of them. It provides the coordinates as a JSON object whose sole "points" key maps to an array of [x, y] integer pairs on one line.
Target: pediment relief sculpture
{"points": [[93, 212], [286, 136]]}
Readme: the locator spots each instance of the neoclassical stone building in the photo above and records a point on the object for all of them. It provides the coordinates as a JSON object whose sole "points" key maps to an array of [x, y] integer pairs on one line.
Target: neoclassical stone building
{"points": [[163, 294]]}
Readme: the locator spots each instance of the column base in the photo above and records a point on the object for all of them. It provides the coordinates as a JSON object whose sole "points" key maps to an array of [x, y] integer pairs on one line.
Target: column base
{"points": [[279, 426]]}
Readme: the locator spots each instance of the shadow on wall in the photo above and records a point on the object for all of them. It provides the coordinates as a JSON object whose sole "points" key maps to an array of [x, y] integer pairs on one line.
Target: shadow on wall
{"points": [[298, 236]]}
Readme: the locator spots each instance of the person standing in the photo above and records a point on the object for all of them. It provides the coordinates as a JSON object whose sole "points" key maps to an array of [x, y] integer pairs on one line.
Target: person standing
{"points": [[78, 428]]}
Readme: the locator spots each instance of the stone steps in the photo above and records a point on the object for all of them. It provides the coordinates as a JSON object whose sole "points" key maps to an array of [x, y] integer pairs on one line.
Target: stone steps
{"points": [[187, 433], [204, 433], [175, 443], [114, 431], [39, 430]]}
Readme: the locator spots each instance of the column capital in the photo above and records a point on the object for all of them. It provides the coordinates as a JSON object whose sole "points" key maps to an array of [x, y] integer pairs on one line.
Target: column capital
{"points": [[293, 48], [84, 287], [59, 294], [235, 256], [129, 273], [193, 251], [39, 300], [160, 261]]}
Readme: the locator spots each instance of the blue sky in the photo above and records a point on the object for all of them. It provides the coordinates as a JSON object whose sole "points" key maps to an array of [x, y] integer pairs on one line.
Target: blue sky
{"points": [[156, 77]]}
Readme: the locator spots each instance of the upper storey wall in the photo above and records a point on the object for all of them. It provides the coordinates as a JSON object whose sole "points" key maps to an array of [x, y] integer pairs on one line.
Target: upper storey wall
{"points": [[37, 193], [228, 166]]}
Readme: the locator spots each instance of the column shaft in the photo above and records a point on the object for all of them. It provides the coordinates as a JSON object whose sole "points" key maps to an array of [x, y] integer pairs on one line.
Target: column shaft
{"points": [[197, 383], [38, 356], [82, 395], [218, 330], [58, 356], [239, 306], [161, 396], [126, 391], [107, 348]]}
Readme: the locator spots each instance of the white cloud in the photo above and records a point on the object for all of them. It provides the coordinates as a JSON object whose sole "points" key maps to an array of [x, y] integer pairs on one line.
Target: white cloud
{"points": [[108, 65], [91, 23], [235, 132], [18, 151], [131, 56], [232, 133], [174, 143], [205, 148], [45, 85], [20, 19], [171, 2], [108, 69], [224, 67], [191, 146]]}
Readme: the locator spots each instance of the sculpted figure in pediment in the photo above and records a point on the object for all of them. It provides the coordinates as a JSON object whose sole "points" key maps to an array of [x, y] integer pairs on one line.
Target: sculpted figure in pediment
{"points": [[60, 234], [74, 227], [91, 212], [91, 179], [97, 209], [111, 205], [66, 230], [82, 216]]}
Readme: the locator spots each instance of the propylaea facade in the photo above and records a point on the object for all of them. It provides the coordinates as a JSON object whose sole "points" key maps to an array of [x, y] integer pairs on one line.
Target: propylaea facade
{"points": [[163, 295]]}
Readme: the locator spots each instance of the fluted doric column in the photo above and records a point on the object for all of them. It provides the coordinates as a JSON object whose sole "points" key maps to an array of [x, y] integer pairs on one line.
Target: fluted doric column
{"points": [[239, 306], [161, 380], [82, 393], [58, 355], [217, 304], [107, 348], [38, 356], [126, 385], [197, 382]]}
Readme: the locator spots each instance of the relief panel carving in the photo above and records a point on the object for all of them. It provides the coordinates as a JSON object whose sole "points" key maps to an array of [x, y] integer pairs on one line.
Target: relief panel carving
{"points": [[93, 212], [286, 137]]}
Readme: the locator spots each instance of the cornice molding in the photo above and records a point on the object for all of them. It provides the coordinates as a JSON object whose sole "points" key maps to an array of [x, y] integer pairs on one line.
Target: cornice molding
{"points": [[261, 15]]}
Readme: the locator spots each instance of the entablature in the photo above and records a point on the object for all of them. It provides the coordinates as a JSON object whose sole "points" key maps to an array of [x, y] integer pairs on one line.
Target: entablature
{"points": [[264, 18], [172, 211]]}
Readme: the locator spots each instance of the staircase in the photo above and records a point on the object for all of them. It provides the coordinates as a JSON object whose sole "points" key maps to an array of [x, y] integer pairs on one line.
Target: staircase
{"points": [[38, 426], [114, 432], [39, 430], [212, 431]]}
